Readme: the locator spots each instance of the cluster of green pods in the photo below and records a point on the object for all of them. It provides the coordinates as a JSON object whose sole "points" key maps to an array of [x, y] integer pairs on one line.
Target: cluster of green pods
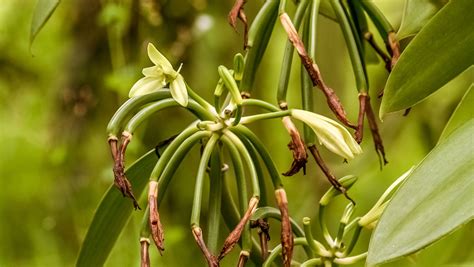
{"points": [[220, 128]]}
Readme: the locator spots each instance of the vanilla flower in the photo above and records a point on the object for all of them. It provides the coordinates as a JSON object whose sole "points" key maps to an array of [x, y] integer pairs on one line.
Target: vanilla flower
{"points": [[370, 219], [331, 134], [159, 76]]}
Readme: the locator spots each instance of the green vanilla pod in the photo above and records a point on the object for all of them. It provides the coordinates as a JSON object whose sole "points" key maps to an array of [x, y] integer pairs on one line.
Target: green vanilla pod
{"points": [[353, 45], [258, 38], [288, 56], [130, 107]]}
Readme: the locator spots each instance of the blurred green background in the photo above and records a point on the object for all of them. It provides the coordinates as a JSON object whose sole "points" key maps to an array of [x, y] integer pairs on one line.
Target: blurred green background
{"points": [[57, 96]]}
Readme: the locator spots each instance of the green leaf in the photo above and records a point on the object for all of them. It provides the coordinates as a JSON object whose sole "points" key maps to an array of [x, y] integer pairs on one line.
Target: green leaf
{"points": [[416, 14], [442, 50], [112, 215], [43, 11], [462, 114], [435, 200]]}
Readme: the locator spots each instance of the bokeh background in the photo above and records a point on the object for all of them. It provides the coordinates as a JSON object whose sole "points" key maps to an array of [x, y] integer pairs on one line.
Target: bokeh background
{"points": [[57, 95]]}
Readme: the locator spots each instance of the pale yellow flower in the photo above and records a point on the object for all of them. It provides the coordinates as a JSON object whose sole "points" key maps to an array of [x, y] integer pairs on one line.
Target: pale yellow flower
{"points": [[331, 134], [158, 76]]}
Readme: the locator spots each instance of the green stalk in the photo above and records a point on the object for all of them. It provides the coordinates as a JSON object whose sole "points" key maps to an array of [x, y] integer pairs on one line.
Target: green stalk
{"points": [[241, 187], [172, 149], [258, 37], [308, 33], [315, 246], [282, 7], [381, 23], [244, 132], [238, 172], [359, 20], [229, 208], [261, 179], [201, 101], [175, 160], [358, 23], [259, 103], [355, 238], [238, 115], [206, 154], [351, 226], [145, 225], [145, 233], [265, 116], [324, 228], [313, 25], [146, 112], [312, 262], [343, 223], [130, 107], [215, 197], [248, 160], [288, 55], [299, 241], [352, 46]]}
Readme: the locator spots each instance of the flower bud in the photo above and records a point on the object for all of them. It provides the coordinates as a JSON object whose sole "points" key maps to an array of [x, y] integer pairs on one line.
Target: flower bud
{"points": [[346, 182], [331, 134], [373, 215], [238, 66]]}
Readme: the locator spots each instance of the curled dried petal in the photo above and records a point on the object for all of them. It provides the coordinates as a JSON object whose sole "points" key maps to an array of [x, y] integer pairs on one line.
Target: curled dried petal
{"points": [[286, 232], [155, 223]]}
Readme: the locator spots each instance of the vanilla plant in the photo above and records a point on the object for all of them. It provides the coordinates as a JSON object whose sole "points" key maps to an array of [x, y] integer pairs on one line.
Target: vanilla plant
{"points": [[220, 128]]}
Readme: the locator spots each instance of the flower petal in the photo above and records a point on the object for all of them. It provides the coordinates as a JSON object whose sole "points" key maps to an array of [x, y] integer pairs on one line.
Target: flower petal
{"points": [[178, 90], [145, 86], [332, 139], [159, 60], [154, 71]]}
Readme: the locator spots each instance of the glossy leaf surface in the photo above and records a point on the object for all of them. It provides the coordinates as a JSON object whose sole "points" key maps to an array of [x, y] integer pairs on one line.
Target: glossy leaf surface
{"points": [[43, 11], [442, 50], [435, 200]]}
